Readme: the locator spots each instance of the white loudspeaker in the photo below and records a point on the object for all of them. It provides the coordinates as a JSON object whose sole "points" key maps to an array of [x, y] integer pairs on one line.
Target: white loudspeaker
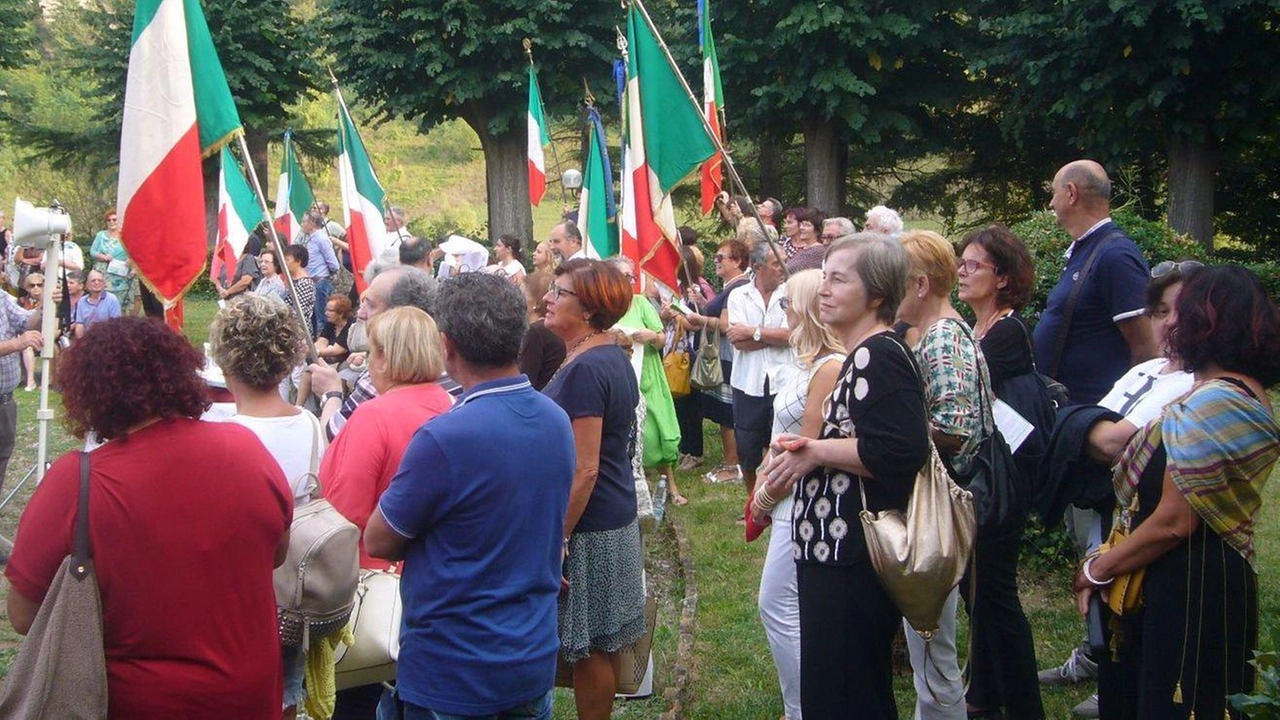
{"points": [[33, 225]]}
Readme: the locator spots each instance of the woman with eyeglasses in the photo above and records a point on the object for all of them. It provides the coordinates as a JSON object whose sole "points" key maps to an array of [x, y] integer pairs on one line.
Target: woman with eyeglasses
{"points": [[602, 605], [111, 259], [730, 260], [32, 295], [996, 278], [1191, 486]]}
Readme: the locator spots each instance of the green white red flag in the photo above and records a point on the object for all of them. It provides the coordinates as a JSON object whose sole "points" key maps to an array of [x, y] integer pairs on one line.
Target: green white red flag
{"points": [[597, 211], [293, 194], [238, 214], [712, 106], [538, 139], [177, 110], [362, 197], [665, 142]]}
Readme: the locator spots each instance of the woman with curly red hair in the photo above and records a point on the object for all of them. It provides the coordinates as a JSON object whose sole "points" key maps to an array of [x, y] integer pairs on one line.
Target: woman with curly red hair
{"points": [[602, 611], [187, 521]]}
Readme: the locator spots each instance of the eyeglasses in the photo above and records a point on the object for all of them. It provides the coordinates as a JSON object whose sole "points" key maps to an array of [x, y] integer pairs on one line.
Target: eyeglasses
{"points": [[111, 219], [971, 266], [35, 285], [784, 303], [1168, 266], [556, 291], [719, 257], [828, 237]]}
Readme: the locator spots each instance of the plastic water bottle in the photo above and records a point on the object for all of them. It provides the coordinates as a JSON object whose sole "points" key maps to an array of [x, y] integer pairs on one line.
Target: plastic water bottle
{"points": [[660, 500]]}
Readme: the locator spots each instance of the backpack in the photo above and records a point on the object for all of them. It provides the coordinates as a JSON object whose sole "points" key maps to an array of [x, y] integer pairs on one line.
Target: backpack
{"points": [[316, 584]]}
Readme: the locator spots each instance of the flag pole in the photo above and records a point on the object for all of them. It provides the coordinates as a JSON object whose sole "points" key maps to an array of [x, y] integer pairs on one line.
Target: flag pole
{"points": [[277, 245], [724, 152], [564, 193], [386, 196]]}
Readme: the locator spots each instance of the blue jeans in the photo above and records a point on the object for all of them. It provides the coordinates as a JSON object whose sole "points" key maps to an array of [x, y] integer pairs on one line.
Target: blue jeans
{"points": [[324, 288], [539, 709]]}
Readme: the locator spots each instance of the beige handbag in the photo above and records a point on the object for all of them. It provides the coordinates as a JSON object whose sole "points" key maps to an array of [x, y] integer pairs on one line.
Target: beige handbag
{"points": [[921, 554], [375, 623], [60, 672]]}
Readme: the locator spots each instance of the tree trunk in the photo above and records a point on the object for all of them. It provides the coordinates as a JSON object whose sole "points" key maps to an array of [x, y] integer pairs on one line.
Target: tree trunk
{"points": [[506, 175], [257, 142], [211, 167], [1192, 166], [770, 164], [825, 156]]}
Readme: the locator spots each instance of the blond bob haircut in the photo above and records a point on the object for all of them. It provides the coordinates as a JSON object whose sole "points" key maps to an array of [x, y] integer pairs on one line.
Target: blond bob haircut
{"points": [[810, 337], [932, 256], [407, 337], [257, 340]]}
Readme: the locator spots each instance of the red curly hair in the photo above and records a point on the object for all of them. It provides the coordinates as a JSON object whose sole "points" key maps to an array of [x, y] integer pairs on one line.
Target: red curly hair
{"points": [[127, 370]]}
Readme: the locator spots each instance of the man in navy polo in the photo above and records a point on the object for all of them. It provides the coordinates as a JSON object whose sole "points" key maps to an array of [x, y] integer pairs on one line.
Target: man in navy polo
{"points": [[1106, 334], [477, 512]]}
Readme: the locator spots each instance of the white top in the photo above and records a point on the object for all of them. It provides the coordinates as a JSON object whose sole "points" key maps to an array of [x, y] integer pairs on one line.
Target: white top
{"points": [[789, 402], [291, 441], [72, 256], [510, 269], [1142, 393], [752, 367]]}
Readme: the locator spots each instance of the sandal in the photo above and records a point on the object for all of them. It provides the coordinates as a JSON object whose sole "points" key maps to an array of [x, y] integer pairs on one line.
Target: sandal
{"points": [[679, 500]]}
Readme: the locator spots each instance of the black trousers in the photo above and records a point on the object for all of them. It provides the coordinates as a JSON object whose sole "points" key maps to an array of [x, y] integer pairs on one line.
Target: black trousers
{"points": [[1003, 668], [689, 416], [847, 624]]}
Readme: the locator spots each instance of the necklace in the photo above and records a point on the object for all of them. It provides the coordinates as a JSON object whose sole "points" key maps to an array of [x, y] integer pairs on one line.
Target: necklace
{"points": [[569, 356]]}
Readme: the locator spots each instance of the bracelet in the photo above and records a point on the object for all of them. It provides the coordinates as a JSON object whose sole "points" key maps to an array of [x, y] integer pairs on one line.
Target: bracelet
{"points": [[1084, 570], [763, 502]]}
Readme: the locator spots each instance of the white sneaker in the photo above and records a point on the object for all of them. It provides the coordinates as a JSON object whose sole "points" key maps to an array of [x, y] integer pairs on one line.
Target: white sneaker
{"points": [[1077, 668], [1088, 708]]}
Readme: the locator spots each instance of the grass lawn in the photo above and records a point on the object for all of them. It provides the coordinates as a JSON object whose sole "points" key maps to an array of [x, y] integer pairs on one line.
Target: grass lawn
{"points": [[732, 674]]}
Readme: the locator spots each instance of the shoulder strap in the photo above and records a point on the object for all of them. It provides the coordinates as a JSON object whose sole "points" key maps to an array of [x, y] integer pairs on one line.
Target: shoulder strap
{"points": [[1060, 343], [81, 553]]}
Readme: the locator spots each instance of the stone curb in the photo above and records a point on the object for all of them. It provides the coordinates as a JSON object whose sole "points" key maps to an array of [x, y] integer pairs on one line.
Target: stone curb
{"points": [[678, 693]]}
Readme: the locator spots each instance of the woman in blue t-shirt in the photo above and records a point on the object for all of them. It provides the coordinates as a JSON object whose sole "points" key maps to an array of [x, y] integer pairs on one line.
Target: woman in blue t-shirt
{"points": [[602, 609]]}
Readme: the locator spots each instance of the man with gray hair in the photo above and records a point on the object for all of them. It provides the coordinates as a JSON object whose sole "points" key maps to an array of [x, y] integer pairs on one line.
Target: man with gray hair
{"points": [[322, 263], [758, 332], [397, 232], [566, 241], [810, 257], [392, 287], [884, 221], [481, 531]]}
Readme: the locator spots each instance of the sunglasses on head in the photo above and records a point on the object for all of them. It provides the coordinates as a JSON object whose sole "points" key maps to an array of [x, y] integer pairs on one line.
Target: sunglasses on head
{"points": [[1168, 266]]}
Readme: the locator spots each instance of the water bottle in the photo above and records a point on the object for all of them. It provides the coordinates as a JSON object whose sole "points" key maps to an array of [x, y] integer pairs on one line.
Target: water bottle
{"points": [[660, 500]]}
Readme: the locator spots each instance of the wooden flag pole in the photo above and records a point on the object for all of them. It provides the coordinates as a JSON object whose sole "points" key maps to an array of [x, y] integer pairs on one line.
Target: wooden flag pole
{"points": [[724, 152]]}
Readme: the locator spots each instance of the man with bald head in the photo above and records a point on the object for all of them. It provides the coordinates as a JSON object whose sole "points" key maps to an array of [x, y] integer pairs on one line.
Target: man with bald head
{"points": [[1105, 333], [566, 241]]}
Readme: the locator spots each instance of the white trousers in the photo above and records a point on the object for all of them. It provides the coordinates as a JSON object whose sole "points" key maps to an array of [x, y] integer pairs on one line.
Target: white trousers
{"points": [[779, 605], [942, 671]]}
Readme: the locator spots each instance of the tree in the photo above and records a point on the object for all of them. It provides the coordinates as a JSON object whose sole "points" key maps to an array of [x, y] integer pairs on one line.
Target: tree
{"points": [[1181, 79], [432, 60], [847, 75], [17, 27]]}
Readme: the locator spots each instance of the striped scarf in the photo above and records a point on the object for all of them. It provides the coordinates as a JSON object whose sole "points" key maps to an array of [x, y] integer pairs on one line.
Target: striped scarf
{"points": [[1221, 445]]}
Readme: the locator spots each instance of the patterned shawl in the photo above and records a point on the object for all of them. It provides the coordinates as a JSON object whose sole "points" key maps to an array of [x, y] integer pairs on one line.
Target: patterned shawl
{"points": [[1221, 445]]}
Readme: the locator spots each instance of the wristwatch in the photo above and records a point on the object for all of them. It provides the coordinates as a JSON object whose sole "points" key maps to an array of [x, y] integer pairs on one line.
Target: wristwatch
{"points": [[756, 335], [331, 394]]}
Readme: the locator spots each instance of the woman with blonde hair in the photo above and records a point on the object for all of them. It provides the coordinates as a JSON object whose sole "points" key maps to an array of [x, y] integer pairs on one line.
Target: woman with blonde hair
{"points": [[957, 394], [802, 384], [543, 259]]}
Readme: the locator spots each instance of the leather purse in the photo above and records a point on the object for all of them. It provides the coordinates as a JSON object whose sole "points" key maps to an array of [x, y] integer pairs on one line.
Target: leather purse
{"points": [[375, 623], [676, 367], [921, 554], [1124, 593], [60, 672], [706, 373]]}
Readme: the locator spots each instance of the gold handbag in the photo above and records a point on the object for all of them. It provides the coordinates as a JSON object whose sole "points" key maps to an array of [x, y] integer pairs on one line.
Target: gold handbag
{"points": [[1124, 592], [921, 554], [676, 367]]}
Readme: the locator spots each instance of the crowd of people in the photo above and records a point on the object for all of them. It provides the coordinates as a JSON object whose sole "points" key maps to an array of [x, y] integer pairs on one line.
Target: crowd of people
{"points": [[843, 366]]}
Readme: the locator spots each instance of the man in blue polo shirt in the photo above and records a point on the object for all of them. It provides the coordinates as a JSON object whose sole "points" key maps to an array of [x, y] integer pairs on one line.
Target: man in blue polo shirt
{"points": [[477, 512], [1107, 332]]}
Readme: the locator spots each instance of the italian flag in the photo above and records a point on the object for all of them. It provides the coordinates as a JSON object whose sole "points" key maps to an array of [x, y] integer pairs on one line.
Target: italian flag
{"points": [[597, 212], [362, 197], [538, 139], [293, 195], [238, 213], [712, 106], [665, 142], [177, 110]]}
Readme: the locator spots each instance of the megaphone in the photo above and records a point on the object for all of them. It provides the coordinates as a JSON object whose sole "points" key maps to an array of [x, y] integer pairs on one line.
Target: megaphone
{"points": [[34, 226]]}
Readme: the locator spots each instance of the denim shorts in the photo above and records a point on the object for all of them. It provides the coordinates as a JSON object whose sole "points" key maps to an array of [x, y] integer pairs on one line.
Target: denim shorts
{"points": [[295, 666], [539, 709]]}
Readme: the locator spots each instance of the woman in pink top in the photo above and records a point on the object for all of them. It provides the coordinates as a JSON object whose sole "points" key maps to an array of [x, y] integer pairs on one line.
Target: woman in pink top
{"points": [[405, 359]]}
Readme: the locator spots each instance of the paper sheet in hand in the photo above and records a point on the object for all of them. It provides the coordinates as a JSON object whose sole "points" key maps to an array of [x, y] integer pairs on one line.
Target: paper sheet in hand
{"points": [[1013, 426]]}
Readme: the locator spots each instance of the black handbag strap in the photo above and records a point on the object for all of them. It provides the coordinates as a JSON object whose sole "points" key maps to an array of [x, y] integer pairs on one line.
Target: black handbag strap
{"points": [[1060, 343], [81, 553]]}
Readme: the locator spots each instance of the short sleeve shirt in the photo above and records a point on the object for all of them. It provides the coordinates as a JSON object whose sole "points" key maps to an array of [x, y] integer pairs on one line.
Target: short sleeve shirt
{"points": [[753, 368], [1096, 353], [601, 383], [953, 370], [1141, 395]]}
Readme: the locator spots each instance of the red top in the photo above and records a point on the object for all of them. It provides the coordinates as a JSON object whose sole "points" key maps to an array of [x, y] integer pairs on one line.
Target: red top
{"points": [[364, 457], [184, 520]]}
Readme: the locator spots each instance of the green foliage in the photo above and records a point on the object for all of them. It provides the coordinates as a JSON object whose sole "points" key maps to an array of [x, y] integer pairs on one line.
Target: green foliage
{"points": [[17, 27], [1045, 550], [1265, 703]]}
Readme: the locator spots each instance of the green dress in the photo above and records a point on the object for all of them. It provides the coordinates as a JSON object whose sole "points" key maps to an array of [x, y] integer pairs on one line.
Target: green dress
{"points": [[661, 430]]}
